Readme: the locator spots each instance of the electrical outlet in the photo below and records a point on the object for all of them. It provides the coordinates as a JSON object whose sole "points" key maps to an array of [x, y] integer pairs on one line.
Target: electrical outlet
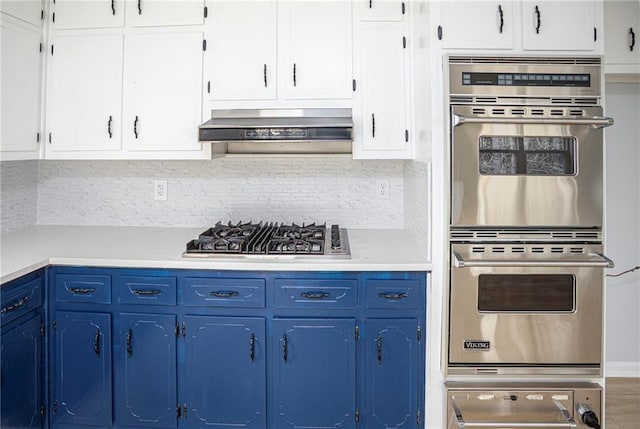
{"points": [[382, 189], [160, 190]]}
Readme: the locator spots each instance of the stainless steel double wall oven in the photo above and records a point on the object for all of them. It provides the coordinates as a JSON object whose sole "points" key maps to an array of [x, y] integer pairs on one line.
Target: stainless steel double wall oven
{"points": [[526, 216]]}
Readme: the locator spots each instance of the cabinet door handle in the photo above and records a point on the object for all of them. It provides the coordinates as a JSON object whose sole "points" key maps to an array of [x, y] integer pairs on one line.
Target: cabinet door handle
{"points": [[147, 292], [500, 12], [135, 127], [537, 10], [224, 293], [139, 7], [113, 7], [16, 305], [632, 39], [393, 295], [370, 3], [315, 295], [109, 126], [295, 83], [264, 74], [129, 347], [252, 348], [96, 342], [82, 290], [379, 349], [373, 125], [284, 348]]}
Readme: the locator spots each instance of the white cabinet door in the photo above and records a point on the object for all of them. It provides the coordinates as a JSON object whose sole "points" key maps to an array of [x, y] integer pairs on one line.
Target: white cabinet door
{"points": [[383, 100], [151, 13], [315, 40], [382, 10], [477, 24], [74, 14], [558, 25], [20, 70], [162, 91], [242, 60], [622, 33], [30, 11], [85, 98]]}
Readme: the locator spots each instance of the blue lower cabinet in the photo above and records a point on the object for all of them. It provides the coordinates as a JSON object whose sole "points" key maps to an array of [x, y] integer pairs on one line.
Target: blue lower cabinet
{"points": [[21, 382], [82, 393], [392, 373], [224, 384], [314, 370], [145, 370]]}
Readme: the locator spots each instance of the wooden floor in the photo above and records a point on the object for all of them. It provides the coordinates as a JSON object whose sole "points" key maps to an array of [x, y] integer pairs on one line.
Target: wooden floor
{"points": [[622, 403]]}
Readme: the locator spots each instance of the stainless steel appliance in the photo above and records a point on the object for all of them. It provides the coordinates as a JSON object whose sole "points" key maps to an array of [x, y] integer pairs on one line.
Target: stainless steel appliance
{"points": [[526, 216], [270, 239], [279, 131], [526, 143], [531, 406]]}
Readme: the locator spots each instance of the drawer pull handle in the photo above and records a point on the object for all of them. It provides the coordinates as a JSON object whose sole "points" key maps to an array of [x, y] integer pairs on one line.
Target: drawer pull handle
{"points": [[392, 295], [284, 348], [224, 293], [82, 290], [129, 347], [315, 295], [15, 306], [379, 348], [147, 292], [252, 348], [96, 343]]}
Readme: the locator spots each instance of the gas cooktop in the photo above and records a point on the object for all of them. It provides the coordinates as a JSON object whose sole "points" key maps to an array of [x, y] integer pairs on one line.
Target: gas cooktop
{"points": [[270, 239]]}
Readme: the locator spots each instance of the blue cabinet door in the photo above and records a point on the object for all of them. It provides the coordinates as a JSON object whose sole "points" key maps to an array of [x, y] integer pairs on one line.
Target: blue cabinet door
{"points": [[391, 381], [225, 381], [21, 382], [82, 392], [145, 370], [314, 373]]}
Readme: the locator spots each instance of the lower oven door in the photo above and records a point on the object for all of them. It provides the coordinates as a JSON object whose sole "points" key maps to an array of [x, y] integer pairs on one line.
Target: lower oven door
{"points": [[526, 308]]}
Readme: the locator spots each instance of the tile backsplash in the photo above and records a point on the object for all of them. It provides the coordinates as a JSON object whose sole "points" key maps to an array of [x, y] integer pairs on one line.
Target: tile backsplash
{"points": [[18, 194]]}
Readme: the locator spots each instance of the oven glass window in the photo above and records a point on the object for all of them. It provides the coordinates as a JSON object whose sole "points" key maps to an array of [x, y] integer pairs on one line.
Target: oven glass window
{"points": [[526, 292], [541, 156]]}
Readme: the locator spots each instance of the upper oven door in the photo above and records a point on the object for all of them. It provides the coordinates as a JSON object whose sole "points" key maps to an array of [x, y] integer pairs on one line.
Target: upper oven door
{"points": [[526, 165]]}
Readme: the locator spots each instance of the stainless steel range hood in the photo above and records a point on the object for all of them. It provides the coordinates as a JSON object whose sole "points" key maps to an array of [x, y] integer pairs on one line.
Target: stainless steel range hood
{"points": [[279, 131]]}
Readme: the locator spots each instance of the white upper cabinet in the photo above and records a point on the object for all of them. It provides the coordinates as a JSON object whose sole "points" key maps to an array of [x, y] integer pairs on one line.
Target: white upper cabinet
{"points": [[382, 10], [622, 36], [242, 61], [20, 107], [381, 125], [149, 13], [31, 11], [558, 25], [315, 45], [85, 94], [162, 92], [477, 24], [74, 14]]}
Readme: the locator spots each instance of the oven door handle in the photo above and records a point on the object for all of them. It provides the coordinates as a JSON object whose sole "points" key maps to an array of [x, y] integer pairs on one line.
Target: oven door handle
{"points": [[594, 121], [462, 424], [597, 260]]}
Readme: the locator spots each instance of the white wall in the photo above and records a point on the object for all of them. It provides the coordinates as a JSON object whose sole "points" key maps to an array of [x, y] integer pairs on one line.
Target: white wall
{"points": [[18, 194], [623, 229]]}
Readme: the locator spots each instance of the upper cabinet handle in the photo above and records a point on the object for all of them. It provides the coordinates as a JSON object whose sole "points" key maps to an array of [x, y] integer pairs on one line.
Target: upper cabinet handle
{"points": [[501, 18], [294, 75], [113, 7], [139, 7], [632, 39], [537, 20]]}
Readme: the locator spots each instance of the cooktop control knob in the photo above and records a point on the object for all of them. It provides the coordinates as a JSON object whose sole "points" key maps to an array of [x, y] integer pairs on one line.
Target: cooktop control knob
{"points": [[588, 416]]}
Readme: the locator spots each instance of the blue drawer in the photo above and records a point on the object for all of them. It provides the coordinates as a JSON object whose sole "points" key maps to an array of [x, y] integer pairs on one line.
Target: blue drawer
{"points": [[310, 293], [20, 299], [402, 294], [224, 292], [83, 288], [146, 290]]}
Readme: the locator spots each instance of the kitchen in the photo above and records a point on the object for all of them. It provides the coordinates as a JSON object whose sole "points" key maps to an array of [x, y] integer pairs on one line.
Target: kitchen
{"points": [[335, 189]]}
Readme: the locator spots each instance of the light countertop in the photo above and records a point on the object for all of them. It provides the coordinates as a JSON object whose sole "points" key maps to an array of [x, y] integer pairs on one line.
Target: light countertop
{"points": [[28, 249]]}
